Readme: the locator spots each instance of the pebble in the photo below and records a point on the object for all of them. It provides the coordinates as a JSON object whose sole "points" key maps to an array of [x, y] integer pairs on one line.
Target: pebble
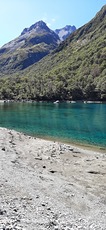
{"points": [[44, 166], [38, 158], [52, 171], [47, 209], [1, 212], [3, 149]]}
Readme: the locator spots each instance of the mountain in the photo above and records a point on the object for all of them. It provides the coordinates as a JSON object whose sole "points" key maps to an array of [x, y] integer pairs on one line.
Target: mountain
{"points": [[33, 44], [75, 70], [64, 32]]}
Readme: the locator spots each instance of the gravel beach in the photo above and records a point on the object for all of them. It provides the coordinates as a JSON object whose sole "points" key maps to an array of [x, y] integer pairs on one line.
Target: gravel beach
{"points": [[50, 185]]}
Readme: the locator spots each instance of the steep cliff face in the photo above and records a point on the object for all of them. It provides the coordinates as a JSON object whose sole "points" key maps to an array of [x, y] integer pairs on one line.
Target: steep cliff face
{"points": [[33, 44]]}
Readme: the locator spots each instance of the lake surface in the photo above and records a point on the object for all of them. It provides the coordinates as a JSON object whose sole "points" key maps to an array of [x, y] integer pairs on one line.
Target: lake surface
{"points": [[73, 123]]}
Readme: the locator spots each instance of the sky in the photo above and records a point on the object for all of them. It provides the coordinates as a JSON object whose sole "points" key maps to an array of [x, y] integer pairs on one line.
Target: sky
{"points": [[15, 15]]}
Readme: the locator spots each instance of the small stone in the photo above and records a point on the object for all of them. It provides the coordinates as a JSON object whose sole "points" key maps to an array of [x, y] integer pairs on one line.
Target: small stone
{"points": [[53, 155], [48, 208], [43, 205], [13, 143], [38, 158], [3, 149], [15, 210], [44, 166], [76, 151], [61, 152], [1, 212], [13, 161], [71, 149], [52, 171], [72, 195], [93, 172], [37, 196]]}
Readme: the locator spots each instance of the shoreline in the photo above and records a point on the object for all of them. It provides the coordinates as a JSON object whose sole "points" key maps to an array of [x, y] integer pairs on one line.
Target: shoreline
{"points": [[83, 146], [55, 101], [79, 145], [50, 185]]}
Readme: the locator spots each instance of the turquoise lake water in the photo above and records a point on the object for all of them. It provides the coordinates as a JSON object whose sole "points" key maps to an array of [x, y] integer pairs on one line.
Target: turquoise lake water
{"points": [[74, 123]]}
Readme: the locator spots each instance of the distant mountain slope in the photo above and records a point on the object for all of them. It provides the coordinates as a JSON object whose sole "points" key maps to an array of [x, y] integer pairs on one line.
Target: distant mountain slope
{"points": [[76, 70], [64, 32], [32, 45]]}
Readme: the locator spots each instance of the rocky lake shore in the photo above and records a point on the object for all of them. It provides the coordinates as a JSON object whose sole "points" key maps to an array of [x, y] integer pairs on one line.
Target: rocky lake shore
{"points": [[50, 185]]}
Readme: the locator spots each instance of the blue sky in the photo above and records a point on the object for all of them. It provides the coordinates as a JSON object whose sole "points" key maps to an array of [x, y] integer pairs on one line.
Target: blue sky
{"points": [[15, 15]]}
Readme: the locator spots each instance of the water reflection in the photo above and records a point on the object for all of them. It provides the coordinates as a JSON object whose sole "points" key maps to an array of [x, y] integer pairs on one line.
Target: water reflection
{"points": [[73, 122]]}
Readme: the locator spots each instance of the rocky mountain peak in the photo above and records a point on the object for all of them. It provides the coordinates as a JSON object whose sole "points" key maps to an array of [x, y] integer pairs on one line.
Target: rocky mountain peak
{"points": [[64, 32], [32, 45], [37, 27]]}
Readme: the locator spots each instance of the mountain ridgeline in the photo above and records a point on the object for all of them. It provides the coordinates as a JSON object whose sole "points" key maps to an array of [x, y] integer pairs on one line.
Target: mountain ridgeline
{"points": [[74, 70], [32, 45]]}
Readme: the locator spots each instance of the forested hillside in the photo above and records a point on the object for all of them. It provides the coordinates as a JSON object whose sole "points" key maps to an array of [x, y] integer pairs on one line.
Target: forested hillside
{"points": [[76, 70]]}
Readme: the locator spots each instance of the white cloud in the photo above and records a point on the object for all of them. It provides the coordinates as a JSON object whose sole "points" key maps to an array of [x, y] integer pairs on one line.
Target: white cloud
{"points": [[49, 21], [53, 20]]}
